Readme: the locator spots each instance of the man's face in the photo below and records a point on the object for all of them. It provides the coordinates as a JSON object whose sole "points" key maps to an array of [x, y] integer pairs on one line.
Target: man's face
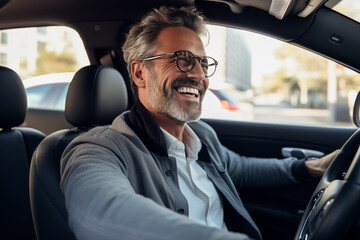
{"points": [[170, 92]]}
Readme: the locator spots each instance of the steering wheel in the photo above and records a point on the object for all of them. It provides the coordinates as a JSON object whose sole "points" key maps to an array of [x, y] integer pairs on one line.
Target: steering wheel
{"points": [[335, 204]]}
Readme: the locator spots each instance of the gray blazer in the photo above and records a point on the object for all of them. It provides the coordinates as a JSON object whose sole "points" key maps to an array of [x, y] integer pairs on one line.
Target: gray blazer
{"points": [[116, 188]]}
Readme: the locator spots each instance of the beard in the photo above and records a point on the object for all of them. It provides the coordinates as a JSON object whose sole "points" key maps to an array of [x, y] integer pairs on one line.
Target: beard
{"points": [[164, 102]]}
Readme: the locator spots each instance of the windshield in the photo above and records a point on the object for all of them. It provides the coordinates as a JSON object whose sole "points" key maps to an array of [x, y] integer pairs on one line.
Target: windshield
{"points": [[349, 8]]}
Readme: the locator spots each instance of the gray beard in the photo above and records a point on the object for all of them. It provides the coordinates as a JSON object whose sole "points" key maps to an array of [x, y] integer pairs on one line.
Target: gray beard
{"points": [[164, 103]]}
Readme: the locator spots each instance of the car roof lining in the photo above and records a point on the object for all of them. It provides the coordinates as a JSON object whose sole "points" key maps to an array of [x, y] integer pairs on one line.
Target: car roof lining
{"points": [[63, 12]]}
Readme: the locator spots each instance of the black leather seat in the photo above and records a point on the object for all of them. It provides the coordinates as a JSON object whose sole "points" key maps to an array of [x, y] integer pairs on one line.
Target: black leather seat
{"points": [[16, 149], [96, 95]]}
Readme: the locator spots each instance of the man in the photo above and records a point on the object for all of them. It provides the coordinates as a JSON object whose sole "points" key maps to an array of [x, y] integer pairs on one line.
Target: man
{"points": [[157, 173]]}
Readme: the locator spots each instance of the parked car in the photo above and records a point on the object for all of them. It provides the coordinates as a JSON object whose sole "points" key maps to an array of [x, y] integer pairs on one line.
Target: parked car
{"points": [[227, 102], [328, 32], [48, 91]]}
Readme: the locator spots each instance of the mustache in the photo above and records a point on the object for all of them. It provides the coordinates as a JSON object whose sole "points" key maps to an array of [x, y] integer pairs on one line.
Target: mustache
{"points": [[183, 81]]}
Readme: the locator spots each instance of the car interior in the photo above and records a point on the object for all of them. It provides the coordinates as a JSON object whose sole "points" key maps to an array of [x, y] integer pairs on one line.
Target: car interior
{"points": [[33, 207]]}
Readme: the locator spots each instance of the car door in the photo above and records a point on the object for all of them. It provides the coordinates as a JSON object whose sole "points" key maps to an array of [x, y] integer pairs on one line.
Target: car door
{"points": [[278, 210]]}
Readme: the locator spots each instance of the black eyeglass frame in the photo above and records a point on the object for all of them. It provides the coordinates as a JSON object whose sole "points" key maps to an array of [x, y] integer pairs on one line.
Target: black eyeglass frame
{"points": [[177, 64]]}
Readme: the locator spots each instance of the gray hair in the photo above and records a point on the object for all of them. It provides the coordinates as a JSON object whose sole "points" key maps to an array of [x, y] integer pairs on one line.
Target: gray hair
{"points": [[141, 40]]}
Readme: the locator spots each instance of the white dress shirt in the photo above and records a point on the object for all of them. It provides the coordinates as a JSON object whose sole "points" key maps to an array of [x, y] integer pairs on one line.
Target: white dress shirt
{"points": [[205, 205]]}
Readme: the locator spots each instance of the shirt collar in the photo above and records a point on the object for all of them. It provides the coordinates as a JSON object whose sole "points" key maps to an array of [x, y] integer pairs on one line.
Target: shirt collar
{"points": [[192, 143]]}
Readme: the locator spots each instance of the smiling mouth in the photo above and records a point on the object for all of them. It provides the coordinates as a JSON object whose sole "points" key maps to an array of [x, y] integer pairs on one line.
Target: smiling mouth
{"points": [[188, 90]]}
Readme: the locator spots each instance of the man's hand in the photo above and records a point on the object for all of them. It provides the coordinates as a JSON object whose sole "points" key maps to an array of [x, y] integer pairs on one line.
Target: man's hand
{"points": [[317, 167]]}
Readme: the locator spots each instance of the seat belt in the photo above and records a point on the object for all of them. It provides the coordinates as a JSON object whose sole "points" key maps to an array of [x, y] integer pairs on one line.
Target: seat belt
{"points": [[108, 59]]}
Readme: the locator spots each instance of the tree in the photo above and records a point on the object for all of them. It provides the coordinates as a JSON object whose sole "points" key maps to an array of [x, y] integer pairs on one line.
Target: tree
{"points": [[52, 62], [308, 69]]}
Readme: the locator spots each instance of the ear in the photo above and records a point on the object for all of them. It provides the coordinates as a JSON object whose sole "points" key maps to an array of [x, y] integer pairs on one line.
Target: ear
{"points": [[138, 72]]}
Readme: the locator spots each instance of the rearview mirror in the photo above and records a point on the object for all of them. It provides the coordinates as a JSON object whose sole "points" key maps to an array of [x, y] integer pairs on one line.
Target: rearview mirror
{"points": [[356, 111]]}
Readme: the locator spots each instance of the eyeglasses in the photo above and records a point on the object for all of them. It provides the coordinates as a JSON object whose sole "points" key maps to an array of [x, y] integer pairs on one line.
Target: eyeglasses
{"points": [[185, 61]]}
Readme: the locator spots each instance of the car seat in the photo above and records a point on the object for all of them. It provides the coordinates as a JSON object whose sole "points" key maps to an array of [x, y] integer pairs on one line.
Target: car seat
{"points": [[96, 95], [17, 145]]}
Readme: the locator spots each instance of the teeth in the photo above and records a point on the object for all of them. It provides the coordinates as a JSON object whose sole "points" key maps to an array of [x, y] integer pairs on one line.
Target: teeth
{"points": [[188, 90]]}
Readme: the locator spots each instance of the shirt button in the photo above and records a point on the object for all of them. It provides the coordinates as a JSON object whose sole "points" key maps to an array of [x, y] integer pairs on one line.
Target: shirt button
{"points": [[181, 211], [168, 173]]}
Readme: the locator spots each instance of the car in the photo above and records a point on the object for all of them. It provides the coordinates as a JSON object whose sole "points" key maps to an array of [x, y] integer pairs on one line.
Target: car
{"points": [[227, 101], [48, 91], [294, 66]]}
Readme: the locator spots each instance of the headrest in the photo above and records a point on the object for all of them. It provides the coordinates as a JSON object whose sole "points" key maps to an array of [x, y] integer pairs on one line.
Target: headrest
{"points": [[96, 95], [13, 102]]}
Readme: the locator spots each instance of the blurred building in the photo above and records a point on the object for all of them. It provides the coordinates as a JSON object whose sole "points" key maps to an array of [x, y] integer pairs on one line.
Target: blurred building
{"points": [[20, 48], [229, 48]]}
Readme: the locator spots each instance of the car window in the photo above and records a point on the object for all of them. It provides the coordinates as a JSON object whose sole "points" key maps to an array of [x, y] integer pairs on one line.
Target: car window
{"points": [[60, 105], [268, 80], [43, 56], [349, 8], [46, 96], [36, 95]]}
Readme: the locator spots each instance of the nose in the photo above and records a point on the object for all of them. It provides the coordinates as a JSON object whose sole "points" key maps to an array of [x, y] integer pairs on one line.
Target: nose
{"points": [[197, 73]]}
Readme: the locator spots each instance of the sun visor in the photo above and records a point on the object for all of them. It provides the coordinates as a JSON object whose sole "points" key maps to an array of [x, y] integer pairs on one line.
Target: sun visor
{"points": [[277, 8], [311, 7]]}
